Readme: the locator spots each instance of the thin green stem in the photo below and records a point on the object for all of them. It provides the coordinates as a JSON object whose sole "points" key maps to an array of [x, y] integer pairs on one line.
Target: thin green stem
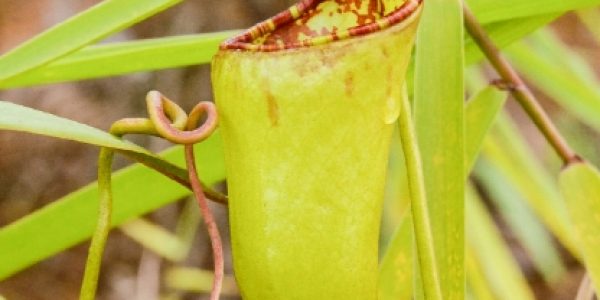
{"points": [[416, 184], [519, 89], [94, 259], [174, 172], [168, 121]]}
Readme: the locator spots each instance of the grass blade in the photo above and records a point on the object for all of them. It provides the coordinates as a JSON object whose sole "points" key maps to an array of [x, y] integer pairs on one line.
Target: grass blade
{"points": [[24, 119], [72, 219], [20, 118], [493, 10], [197, 280], [591, 20], [580, 185], [155, 238], [528, 230], [171, 52], [476, 281], [395, 274], [524, 171], [506, 32], [440, 129], [560, 73], [490, 250], [122, 58], [395, 271], [85, 28], [480, 112]]}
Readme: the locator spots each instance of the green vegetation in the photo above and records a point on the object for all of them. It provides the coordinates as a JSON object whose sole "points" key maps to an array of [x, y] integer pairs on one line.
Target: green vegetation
{"points": [[450, 160]]}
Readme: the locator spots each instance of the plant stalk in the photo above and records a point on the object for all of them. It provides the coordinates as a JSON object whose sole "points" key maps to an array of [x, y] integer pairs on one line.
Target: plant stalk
{"points": [[168, 121], [416, 184], [517, 87], [94, 259]]}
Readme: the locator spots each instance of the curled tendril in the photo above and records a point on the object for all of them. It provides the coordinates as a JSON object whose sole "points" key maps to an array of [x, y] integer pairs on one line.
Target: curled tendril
{"points": [[158, 108], [169, 121]]}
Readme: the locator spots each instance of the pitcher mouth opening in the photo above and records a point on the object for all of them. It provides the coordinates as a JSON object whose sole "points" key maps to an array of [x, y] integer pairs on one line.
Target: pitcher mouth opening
{"points": [[316, 22]]}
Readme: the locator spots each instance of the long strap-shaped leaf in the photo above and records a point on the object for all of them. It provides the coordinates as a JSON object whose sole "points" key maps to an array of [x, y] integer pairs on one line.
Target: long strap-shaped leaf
{"points": [[70, 220], [20, 118], [529, 178], [160, 53], [500, 268], [127, 57], [494, 10], [560, 73], [580, 185], [92, 25], [395, 272], [522, 222], [439, 119], [121, 58]]}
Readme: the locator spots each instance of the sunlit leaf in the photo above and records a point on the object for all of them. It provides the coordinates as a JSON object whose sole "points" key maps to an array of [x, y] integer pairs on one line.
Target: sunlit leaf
{"points": [[525, 226], [24, 119], [197, 280], [506, 149], [396, 267], [494, 10], [439, 107], [591, 19], [560, 73], [492, 254], [85, 28], [127, 57], [506, 32], [480, 112], [20, 118], [72, 218], [477, 284], [155, 238], [161, 53], [580, 186]]}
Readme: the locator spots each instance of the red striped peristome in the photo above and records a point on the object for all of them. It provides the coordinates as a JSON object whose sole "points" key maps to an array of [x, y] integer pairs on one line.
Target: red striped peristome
{"points": [[283, 30]]}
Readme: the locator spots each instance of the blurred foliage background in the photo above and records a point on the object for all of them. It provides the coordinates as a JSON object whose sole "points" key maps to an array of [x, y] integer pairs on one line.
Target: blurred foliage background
{"points": [[35, 170]]}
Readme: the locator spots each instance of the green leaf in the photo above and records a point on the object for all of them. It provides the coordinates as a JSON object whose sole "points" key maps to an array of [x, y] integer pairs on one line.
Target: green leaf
{"points": [[127, 57], [527, 229], [395, 270], [480, 112], [395, 280], [156, 238], [85, 28], [477, 284], [488, 11], [439, 119], [506, 149], [505, 21], [580, 186], [171, 52], [197, 280], [559, 73], [591, 20], [506, 32], [20, 118], [72, 219], [492, 254]]}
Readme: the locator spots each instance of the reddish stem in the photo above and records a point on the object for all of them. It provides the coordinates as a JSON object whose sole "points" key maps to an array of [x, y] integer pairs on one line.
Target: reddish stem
{"points": [[213, 231]]}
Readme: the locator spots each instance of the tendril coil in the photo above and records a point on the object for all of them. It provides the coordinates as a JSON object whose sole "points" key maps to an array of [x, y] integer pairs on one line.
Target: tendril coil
{"points": [[169, 121]]}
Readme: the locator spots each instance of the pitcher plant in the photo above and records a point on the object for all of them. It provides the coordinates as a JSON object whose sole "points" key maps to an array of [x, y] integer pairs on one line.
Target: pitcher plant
{"points": [[307, 102]]}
